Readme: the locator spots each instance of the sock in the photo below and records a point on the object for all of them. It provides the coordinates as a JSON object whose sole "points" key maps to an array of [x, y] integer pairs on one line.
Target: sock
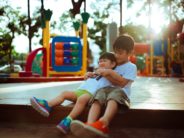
{"points": [[68, 117]]}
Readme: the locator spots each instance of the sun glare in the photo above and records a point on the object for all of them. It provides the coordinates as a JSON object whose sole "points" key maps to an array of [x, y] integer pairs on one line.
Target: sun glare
{"points": [[158, 19]]}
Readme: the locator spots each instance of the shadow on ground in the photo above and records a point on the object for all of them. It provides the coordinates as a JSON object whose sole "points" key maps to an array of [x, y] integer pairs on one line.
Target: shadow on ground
{"points": [[8, 130]]}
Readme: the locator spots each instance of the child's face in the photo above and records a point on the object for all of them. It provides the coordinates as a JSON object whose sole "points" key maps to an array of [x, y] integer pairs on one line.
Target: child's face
{"points": [[121, 56], [106, 63]]}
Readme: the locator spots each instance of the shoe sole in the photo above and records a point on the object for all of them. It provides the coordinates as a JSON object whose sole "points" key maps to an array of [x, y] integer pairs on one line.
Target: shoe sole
{"points": [[38, 108], [61, 129], [94, 132], [79, 129]]}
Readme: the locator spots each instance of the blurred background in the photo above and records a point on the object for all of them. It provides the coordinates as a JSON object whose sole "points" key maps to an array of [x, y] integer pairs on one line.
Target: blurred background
{"points": [[150, 22]]}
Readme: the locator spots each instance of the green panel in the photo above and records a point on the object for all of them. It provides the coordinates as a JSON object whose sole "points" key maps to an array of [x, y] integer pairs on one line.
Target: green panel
{"points": [[75, 61], [74, 53], [74, 46]]}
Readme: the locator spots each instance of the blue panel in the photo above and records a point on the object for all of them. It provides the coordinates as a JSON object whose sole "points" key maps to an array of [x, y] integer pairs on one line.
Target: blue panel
{"points": [[67, 53], [157, 45], [68, 40], [67, 61], [66, 46]]}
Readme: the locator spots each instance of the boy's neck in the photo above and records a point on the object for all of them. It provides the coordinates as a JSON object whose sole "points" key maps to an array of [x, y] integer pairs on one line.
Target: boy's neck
{"points": [[124, 62]]}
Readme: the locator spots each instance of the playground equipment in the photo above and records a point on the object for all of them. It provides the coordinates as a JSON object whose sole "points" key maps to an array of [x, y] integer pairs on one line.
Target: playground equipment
{"points": [[180, 48], [141, 50], [65, 55], [178, 62], [154, 58], [160, 52]]}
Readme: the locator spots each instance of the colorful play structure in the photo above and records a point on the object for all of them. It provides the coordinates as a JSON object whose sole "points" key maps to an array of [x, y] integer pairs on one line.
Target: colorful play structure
{"points": [[153, 58], [64, 56], [160, 57], [180, 54]]}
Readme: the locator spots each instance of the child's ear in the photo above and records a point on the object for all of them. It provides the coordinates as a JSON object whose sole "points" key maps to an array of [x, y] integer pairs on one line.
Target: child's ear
{"points": [[113, 64]]}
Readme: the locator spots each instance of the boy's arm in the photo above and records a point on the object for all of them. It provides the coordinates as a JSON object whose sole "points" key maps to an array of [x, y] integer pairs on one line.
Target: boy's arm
{"points": [[113, 77], [89, 75]]}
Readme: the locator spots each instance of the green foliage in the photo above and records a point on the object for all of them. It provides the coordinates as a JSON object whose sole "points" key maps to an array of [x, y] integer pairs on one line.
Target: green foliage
{"points": [[5, 45], [100, 24], [10, 25], [14, 23], [7, 32], [100, 40], [65, 22], [35, 24], [139, 33]]}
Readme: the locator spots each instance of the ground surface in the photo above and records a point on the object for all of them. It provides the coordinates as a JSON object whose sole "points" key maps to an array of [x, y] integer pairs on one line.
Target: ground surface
{"points": [[50, 131], [147, 93]]}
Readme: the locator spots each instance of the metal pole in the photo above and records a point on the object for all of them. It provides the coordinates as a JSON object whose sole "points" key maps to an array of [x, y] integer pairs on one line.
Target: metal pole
{"points": [[121, 14], [121, 8], [170, 48], [84, 5], [150, 39], [149, 18], [29, 25], [42, 8]]}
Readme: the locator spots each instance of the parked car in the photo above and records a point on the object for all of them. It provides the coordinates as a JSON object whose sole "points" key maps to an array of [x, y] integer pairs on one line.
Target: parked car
{"points": [[6, 68]]}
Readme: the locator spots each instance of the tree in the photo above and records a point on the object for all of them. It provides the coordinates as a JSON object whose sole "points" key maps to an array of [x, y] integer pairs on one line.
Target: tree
{"points": [[100, 17], [101, 12], [174, 10], [65, 22], [99, 28], [14, 23], [100, 22], [9, 30], [138, 32]]}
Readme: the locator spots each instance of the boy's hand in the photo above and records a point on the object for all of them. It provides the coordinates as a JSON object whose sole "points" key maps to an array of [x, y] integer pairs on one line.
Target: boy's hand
{"points": [[102, 71], [89, 75]]}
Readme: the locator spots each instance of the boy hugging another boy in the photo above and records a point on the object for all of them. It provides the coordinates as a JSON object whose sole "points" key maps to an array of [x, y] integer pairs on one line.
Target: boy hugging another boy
{"points": [[115, 97]]}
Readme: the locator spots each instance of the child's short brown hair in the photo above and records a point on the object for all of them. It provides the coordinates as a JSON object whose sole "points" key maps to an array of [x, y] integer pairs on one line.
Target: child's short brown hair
{"points": [[124, 42]]}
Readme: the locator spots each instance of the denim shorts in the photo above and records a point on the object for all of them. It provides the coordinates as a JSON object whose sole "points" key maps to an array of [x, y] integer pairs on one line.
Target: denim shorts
{"points": [[105, 94]]}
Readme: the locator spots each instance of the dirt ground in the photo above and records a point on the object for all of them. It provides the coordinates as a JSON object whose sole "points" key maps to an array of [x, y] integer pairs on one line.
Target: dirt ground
{"points": [[8, 130]]}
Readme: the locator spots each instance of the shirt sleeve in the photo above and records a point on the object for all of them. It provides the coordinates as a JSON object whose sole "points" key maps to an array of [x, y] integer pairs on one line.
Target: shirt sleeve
{"points": [[130, 73]]}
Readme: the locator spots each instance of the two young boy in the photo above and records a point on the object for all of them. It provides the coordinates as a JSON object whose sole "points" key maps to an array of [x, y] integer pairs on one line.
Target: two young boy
{"points": [[113, 97], [81, 96]]}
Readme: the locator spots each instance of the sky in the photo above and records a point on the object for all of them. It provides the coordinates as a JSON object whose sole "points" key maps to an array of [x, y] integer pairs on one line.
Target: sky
{"points": [[60, 6], [57, 7]]}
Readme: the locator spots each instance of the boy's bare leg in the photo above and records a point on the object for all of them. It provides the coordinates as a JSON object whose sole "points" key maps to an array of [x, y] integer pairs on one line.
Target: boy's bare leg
{"points": [[80, 106], [94, 112], [110, 112], [93, 131], [66, 95], [78, 128], [64, 126]]}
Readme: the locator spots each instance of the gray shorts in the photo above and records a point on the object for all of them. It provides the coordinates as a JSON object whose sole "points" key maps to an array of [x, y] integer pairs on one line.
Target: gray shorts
{"points": [[105, 94]]}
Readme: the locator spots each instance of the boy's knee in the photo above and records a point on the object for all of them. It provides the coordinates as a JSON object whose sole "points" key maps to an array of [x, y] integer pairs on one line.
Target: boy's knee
{"points": [[67, 94], [64, 93], [83, 99], [112, 101], [96, 102]]}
